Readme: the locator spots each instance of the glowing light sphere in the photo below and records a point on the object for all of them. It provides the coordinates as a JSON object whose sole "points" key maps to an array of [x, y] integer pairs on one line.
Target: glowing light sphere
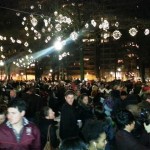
{"points": [[105, 25], [74, 36], [26, 28], [32, 7], [117, 24], [58, 27], [43, 30], [93, 22], [58, 45], [26, 44], [24, 18], [48, 38], [146, 32], [34, 21], [55, 13], [116, 34], [32, 28], [19, 41], [106, 35], [86, 25], [45, 22], [133, 31], [1, 48], [18, 14]]}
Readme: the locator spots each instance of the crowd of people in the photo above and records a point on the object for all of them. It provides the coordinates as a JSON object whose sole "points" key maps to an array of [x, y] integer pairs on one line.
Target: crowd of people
{"points": [[90, 115]]}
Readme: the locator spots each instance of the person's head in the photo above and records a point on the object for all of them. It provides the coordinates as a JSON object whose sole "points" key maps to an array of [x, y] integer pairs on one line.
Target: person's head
{"points": [[146, 97], [94, 134], [2, 115], [125, 120], [73, 144], [48, 113], [13, 93], [84, 99], [134, 109], [70, 96], [16, 111], [123, 95]]}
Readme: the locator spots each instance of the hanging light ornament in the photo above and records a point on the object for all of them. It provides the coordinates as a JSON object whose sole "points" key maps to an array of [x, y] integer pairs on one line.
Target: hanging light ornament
{"points": [[26, 44], [74, 36], [117, 24], [106, 35], [32, 7], [93, 22], [18, 14], [58, 27], [116, 34], [55, 13], [146, 32], [43, 30], [46, 22], [26, 28], [105, 25], [133, 31], [86, 25], [34, 21], [19, 41]]}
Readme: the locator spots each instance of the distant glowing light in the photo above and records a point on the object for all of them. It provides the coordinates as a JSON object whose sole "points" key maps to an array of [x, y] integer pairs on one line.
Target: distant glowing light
{"points": [[34, 21], [86, 25], [116, 34], [133, 31], [93, 22], [74, 36], [146, 32], [58, 45]]}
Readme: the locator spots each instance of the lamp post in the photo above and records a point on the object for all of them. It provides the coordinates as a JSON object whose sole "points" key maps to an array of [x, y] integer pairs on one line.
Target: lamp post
{"points": [[1, 65]]}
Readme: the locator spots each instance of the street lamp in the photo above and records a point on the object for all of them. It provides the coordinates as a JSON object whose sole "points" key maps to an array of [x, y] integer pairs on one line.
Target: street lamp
{"points": [[1, 65]]}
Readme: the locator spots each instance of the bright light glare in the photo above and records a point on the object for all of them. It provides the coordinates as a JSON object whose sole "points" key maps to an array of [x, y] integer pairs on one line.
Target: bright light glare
{"points": [[58, 45]]}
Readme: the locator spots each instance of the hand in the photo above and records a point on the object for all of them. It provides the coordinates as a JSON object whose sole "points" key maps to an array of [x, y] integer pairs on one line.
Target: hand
{"points": [[147, 127]]}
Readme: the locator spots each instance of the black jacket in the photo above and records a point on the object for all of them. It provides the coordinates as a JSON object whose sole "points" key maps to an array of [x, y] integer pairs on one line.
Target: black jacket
{"points": [[43, 125], [68, 122], [126, 141]]}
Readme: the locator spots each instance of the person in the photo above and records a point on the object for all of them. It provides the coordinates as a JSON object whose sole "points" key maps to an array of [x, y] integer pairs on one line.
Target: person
{"points": [[2, 115], [94, 135], [47, 119], [33, 102], [18, 133], [85, 110], [13, 94], [68, 119], [74, 143], [124, 139]]}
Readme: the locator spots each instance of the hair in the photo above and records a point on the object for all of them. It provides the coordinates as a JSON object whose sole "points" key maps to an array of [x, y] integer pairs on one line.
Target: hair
{"points": [[123, 118], [2, 111], [69, 92], [81, 97], [74, 143], [20, 104], [44, 111], [92, 129]]}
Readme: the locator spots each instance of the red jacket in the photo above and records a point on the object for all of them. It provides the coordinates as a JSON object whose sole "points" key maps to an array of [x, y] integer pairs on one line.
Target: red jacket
{"points": [[30, 138]]}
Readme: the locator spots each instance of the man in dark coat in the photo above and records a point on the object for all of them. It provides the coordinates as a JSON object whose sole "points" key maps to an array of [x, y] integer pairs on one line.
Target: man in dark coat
{"points": [[68, 120], [124, 138]]}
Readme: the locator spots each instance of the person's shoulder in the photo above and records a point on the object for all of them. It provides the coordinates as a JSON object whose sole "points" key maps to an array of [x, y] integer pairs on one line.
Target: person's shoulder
{"points": [[3, 126]]}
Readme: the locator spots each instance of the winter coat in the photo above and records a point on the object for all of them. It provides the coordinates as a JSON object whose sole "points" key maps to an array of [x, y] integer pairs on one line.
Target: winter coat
{"points": [[68, 122], [126, 141], [30, 138], [43, 125]]}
